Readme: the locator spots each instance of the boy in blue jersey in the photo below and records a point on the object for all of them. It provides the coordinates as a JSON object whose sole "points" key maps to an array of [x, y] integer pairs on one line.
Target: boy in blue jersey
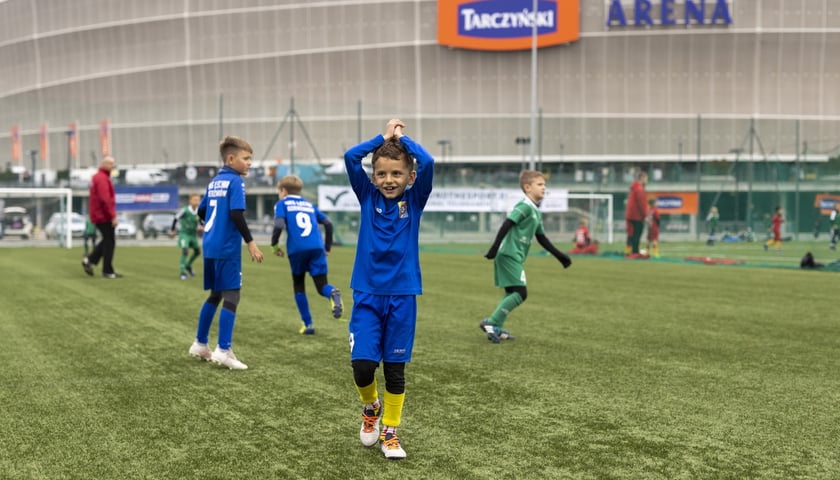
{"points": [[307, 251], [510, 250], [386, 275], [223, 210]]}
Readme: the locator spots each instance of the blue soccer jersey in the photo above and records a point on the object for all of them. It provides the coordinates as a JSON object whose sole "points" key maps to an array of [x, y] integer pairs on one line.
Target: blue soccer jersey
{"points": [[301, 219], [226, 192], [387, 251]]}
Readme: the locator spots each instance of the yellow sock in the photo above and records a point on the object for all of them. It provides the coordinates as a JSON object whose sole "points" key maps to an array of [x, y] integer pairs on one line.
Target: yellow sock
{"points": [[393, 404], [778, 245], [656, 250], [368, 394]]}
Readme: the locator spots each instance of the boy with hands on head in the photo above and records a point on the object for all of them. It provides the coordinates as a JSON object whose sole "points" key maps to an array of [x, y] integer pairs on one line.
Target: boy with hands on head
{"points": [[386, 275]]}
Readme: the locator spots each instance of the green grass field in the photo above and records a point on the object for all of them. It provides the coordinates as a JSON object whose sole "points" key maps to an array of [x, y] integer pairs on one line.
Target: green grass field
{"points": [[620, 370]]}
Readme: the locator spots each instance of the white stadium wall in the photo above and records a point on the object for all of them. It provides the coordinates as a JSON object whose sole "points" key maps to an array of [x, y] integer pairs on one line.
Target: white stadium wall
{"points": [[159, 70]]}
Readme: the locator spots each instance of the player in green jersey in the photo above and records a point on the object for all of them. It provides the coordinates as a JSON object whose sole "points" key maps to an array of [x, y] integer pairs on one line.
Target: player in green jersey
{"points": [[510, 250], [188, 234]]}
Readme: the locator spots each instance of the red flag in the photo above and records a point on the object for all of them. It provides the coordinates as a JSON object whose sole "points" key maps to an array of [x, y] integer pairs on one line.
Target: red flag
{"points": [[105, 137], [45, 143], [73, 141], [16, 149]]}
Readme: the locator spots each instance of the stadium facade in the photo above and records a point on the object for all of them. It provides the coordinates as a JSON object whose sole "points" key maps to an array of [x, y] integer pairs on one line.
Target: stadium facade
{"points": [[653, 83]]}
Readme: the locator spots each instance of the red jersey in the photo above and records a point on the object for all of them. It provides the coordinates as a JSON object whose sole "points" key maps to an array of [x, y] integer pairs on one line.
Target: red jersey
{"points": [[582, 238], [777, 223], [652, 221]]}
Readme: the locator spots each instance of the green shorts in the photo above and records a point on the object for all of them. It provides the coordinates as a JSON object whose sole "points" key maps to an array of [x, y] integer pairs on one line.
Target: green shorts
{"points": [[188, 241], [508, 272]]}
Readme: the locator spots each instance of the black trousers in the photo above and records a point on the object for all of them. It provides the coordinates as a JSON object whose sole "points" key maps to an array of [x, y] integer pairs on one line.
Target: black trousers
{"points": [[638, 228], [104, 250]]}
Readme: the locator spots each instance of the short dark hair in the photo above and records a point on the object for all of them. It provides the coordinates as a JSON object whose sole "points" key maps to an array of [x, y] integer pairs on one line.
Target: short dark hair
{"points": [[393, 149]]}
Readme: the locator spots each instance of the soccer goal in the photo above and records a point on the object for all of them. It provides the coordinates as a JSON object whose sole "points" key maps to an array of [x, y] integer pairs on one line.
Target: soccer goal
{"points": [[40, 203], [597, 209]]}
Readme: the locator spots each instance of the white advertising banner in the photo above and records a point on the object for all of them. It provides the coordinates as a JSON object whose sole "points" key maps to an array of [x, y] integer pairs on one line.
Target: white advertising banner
{"points": [[332, 198]]}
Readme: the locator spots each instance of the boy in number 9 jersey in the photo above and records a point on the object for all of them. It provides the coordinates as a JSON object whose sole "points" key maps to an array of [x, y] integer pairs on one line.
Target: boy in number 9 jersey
{"points": [[307, 251]]}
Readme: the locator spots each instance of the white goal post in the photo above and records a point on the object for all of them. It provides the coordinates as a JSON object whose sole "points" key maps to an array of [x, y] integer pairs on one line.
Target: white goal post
{"points": [[65, 195], [599, 221]]}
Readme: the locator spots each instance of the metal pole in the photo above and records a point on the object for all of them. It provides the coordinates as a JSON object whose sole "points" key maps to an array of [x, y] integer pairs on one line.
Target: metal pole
{"points": [[750, 176], [534, 83], [221, 116], [699, 196], [292, 138], [796, 224]]}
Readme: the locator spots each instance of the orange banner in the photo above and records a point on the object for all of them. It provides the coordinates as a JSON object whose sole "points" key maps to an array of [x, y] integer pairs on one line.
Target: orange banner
{"points": [[105, 137], [826, 202], [16, 148], [499, 25], [45, 143], [676, 203]]}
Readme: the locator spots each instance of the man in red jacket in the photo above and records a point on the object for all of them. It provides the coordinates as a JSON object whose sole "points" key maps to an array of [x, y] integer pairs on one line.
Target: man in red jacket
{"points": [[102, 208], [635, 213]]}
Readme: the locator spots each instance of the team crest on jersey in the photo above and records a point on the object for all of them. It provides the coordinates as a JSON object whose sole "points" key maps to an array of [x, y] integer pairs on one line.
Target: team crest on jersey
{"points": [[403, 209]]}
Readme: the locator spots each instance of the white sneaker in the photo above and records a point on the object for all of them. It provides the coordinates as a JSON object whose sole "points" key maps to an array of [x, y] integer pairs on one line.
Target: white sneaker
{"points": [[227, 359], [369, 433], [390, 445], [201, 351]]}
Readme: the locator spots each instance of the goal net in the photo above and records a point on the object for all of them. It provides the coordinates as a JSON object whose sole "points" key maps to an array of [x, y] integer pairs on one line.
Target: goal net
{"points": [[30, 213]]}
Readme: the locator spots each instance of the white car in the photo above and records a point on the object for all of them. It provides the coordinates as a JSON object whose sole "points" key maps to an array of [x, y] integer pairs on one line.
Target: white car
{"points": [[57, 224], [125, 227], [16, 223]]}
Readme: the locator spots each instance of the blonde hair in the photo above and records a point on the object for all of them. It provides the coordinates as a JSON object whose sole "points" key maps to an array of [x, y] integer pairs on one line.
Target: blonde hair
{"points": [[292, 184], [528, 176]]}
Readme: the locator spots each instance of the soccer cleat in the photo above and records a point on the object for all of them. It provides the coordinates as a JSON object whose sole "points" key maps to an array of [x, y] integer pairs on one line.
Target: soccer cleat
{"points": [[228, 359], [183, 276], [336, 303], [369, 433], [490, 330], [190, 271], [307, 329], [390, 445], [112, 275], [765, 247], [201, 351], [87, 266], [505, 335]]}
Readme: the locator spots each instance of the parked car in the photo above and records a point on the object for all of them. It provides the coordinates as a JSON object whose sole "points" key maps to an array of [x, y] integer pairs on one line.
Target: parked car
{"points": [[58, 223], [16, 222], [157, 223], [125, 226]]}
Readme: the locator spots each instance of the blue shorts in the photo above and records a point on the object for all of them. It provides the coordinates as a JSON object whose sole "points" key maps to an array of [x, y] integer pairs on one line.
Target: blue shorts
{"points": [[382, 327], [222, 274], [313, 262]]}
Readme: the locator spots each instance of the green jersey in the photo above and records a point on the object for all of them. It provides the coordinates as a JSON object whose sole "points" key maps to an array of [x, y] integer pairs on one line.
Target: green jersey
{"points": [[835, 219], [188, 219], [527, 220]]}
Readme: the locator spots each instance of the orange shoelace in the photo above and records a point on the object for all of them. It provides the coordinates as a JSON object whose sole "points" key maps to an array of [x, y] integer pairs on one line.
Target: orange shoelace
{"points": [[392, 443], [369, 422]]}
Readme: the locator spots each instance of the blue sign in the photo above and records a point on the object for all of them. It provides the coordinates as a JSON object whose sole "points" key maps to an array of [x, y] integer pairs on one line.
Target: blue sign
{"points": [[506, 19], [146, 198]]}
